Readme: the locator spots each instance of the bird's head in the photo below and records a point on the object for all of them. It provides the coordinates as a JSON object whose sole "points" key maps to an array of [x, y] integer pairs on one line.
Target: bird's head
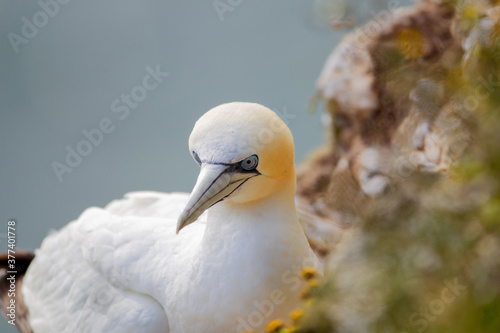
{"points": [[245, 153]]}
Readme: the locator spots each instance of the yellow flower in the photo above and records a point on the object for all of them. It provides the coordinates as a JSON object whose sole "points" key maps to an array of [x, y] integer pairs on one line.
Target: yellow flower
{"points": [[470, 13], [312, 286], [274, 326], [296, 315], [411, 43], [308, 273], [312, 283]]}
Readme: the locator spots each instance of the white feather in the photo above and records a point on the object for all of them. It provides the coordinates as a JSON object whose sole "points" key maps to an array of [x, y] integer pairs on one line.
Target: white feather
{"points": [[124, 269]]}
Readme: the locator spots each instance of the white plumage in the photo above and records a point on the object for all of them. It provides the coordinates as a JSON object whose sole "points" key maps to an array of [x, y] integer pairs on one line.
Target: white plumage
{"points": [[124, 269]]}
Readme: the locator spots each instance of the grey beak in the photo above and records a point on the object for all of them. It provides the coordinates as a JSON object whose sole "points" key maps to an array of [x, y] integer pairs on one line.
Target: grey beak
{"points": [[215, 183]]}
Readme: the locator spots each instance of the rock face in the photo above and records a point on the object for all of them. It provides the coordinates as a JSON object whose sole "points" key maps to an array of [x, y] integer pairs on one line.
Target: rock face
{"points": [[403, 202], [392, 110]]}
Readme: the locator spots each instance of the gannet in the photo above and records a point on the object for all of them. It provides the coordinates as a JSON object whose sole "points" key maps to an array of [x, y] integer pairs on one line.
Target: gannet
{"points": [[155, 262]]}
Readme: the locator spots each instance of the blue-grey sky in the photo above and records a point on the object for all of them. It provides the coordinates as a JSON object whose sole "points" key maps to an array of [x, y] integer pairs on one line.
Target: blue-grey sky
{"points": [[67, 67]]}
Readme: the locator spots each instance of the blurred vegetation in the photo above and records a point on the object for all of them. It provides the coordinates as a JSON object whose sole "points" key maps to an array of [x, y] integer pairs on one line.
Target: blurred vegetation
{"points": [[426, 256]]}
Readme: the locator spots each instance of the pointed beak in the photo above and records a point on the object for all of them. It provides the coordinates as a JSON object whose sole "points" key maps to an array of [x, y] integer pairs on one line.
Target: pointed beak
{"points": [[215, 183]]}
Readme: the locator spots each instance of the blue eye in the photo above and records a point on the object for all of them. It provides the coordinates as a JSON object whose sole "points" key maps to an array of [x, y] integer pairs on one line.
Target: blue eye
{"points": [[196, 158], [250, 163]]}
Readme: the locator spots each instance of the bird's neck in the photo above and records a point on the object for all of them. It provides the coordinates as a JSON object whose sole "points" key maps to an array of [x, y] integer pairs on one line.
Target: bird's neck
{"points": [[264, 223], [270, 219], [251, 250]]}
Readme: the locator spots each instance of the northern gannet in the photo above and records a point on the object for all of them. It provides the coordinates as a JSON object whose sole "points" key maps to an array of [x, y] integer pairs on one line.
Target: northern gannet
{"points": [[130, 268]]}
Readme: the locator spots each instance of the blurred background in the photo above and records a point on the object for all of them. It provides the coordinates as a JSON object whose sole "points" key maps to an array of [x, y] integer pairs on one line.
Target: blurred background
{"points": [[67, 69]]}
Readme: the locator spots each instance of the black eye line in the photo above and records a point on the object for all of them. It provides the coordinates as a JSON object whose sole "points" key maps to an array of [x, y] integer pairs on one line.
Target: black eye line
{"points": [[196, 157], [235, 167]]}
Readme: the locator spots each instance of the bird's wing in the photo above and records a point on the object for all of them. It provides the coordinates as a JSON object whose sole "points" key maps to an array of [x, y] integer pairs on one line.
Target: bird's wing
{"points": [[107, 271]]}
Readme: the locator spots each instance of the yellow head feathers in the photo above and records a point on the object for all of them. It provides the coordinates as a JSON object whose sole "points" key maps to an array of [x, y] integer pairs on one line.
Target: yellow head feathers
{"points": [[230, 133]]}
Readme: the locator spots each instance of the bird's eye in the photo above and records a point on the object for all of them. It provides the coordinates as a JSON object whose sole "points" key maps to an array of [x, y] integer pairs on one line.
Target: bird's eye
{"points": [[250, 163], [196, 158]]}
